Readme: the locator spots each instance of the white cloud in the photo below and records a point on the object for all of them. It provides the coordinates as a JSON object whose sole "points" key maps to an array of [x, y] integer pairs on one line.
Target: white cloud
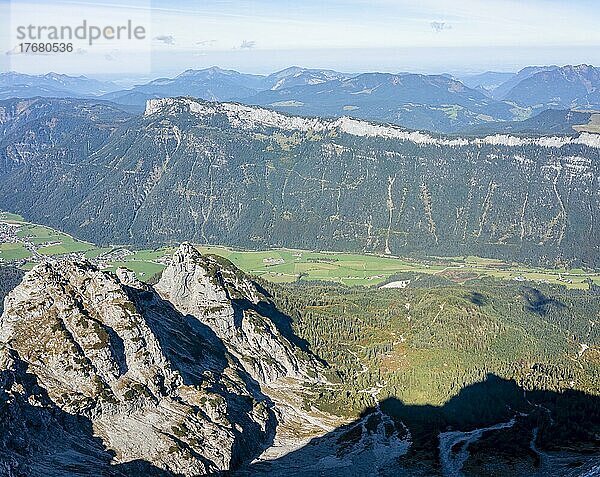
{"points": [[440, 26], [206, 42], [246, 45], [15, 51], [166, 39]]}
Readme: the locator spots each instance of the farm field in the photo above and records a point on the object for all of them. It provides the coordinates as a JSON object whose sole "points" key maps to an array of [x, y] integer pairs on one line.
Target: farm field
{"points": [[284, 265], [13, 251], [30, 243], [592, 127]]}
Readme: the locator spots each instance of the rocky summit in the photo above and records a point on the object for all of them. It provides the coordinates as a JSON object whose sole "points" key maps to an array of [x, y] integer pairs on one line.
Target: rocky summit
{"points": [[229, 303], [101, 374]]}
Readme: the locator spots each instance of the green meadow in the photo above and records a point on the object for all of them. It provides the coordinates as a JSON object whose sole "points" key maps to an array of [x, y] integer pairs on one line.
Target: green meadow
{"points": [[286, 265], [13, 251]]}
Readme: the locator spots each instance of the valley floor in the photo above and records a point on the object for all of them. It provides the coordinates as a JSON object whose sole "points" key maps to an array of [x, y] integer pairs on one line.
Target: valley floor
{"points": [[23, 244]]}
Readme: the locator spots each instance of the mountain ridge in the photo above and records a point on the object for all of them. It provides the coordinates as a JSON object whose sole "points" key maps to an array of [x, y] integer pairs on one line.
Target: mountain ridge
{"points": [[112, 352], [52, 85], [274, 205], [438, 103], [562, 87]]}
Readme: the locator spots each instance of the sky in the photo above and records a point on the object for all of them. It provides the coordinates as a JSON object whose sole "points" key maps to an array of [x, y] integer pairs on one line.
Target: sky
{"points": [[261, 36]]}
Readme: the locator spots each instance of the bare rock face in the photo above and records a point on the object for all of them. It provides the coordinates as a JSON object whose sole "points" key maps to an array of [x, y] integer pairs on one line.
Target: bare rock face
{"points": [[122, 380], [217, 294]]}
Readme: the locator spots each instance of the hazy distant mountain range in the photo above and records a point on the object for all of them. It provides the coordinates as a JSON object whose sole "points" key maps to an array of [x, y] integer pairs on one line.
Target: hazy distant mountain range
{"points": [[488, 81], [18, 85], [569, 86], [433, 102]]}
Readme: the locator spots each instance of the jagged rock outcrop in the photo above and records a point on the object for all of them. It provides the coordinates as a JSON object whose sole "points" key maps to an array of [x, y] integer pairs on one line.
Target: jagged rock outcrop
{"points": [[37, 438], [215, 292], [120, 378]]}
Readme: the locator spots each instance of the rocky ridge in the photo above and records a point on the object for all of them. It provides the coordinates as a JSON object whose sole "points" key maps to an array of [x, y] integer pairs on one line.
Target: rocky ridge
{"points": [[125, 380], [252, 117], [225, 300]]}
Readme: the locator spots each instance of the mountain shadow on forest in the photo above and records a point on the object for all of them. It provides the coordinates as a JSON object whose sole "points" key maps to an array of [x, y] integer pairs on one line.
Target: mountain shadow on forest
{"points": [[493, 427]]}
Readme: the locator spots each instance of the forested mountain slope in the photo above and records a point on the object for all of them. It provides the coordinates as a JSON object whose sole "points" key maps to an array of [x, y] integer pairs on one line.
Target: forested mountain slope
{"points": [[483, 378], [564, 87], [549, 121], [42, 131], [246, 176], [432, 102]]}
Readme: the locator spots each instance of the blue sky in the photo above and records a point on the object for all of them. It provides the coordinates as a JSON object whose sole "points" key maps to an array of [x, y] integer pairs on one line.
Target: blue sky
{"points": [[351, 35]]}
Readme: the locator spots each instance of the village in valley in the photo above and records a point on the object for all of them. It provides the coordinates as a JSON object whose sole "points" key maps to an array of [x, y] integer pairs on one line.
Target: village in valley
{"points": [[23, 244]]}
